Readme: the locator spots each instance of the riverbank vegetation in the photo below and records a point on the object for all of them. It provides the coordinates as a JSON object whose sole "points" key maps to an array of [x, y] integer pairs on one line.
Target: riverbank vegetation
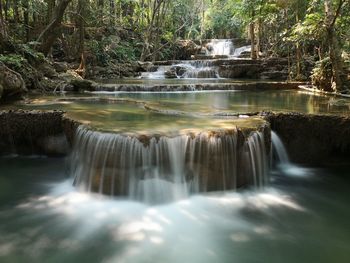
{"points": [[36, 35]]}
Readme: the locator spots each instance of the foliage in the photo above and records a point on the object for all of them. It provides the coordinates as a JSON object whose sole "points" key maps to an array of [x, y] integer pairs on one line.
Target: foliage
{"points": [[322, 74], [129, 30], [111, 48], [14, 61]]}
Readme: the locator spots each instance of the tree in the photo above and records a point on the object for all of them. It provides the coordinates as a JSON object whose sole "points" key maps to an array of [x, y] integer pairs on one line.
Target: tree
{"points": [[52, 31], [332, 13]]}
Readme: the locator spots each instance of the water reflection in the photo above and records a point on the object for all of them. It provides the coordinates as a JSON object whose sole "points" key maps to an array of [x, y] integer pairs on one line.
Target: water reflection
{"points": [[145, 111]]}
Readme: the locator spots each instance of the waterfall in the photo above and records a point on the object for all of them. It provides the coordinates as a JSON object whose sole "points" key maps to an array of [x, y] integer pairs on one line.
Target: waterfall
{"points": [[279, 149], [219, 47], [205, 67], [160, 169], [158, 74], [257, 158], [283, 163], [240, 50]]}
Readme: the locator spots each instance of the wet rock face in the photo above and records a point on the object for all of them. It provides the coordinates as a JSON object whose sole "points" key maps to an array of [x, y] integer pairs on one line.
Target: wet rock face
{"points": [[32, 132], [11, 83], [313, 139]]}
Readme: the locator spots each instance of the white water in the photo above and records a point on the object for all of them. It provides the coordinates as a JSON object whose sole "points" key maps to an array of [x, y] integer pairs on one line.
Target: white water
{"points": [[203, 69], [280, 150], [258, 158], [158, 74], [240, 50], [283, 162], [163, 169], [220, 47]]}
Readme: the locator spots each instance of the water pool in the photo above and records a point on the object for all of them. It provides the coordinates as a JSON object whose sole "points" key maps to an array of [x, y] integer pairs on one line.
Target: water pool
{"points": [[302, 216]]}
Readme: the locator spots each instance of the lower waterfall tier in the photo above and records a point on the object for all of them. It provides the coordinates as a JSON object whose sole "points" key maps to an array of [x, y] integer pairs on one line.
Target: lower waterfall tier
{"points": [[157, 169]]}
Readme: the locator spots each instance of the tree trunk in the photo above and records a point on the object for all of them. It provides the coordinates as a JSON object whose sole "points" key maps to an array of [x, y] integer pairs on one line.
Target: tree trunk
{"points": [[112, 13], [81, 30], [25, 5], [52, 31], [3, 30], [298, 52], [50, 9], [100, 8], [15, 11], [333, 45], [252, 36]]}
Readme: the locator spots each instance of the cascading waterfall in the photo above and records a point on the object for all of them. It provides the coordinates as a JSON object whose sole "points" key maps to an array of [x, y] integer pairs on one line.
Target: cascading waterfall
{"points": [[258, 160], [161, 169], [199, 69], [240, 50], [220, 47], [279, 149], [282, 160]]}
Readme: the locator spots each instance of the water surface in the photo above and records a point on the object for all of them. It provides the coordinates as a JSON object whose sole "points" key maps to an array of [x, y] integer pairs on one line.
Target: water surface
{"points": [[302, 218], [176, 111]]}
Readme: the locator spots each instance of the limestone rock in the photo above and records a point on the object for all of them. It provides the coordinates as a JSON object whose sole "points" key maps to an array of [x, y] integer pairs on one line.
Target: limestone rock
{"points": [[60, 67], [185, 49], [170, 74], [11, 82]]}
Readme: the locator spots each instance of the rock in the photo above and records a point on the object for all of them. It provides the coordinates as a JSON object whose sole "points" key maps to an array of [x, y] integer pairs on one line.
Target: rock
{"points": [[11, 82], [185, 49], [145, 66], [54, 145], [179, 70], [31, 132], [60, 67], [47, 70], [274, 74], [72, 81], [313, 139], [81, 84], [1, 91], [170, 74], [239, 71]]}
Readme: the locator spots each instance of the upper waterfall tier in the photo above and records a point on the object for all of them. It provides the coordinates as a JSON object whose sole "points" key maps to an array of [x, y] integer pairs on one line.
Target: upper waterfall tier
{"points": [[204, 66], [219, 47], [159, 168]]}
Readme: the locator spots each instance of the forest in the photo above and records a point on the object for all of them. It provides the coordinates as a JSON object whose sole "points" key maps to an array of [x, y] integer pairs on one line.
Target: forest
{"points": [[119, 33]]}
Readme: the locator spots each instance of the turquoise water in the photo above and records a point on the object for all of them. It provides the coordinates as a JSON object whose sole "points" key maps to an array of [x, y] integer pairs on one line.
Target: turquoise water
{"points": [[176, 111], [300, 217]]}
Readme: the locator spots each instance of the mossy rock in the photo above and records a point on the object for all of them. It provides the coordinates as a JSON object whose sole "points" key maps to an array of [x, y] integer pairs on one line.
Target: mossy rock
{"points": [[12, 84]]}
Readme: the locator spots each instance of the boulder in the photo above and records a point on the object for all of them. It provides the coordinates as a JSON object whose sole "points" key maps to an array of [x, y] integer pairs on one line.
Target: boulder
{"points": [[60, 67], [11, 82], [185, 49], [239, 71], [170, 74], [179, 70]]}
